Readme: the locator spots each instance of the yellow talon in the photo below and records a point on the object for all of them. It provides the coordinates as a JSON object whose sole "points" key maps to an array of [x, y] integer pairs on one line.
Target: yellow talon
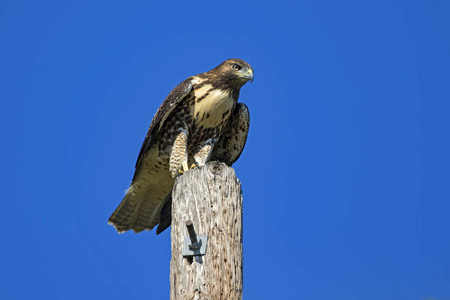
{"points": [[194, 165]]}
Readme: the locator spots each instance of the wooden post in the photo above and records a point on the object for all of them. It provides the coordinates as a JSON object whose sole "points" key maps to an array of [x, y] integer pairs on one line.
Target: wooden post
{"points": [[212, 198]]}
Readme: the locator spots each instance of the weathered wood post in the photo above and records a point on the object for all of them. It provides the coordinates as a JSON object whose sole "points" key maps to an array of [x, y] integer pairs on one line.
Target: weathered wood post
{"points": [[212, 198]]}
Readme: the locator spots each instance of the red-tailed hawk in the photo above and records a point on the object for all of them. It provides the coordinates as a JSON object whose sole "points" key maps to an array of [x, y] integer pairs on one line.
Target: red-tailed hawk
{"points": [[199, 121]]}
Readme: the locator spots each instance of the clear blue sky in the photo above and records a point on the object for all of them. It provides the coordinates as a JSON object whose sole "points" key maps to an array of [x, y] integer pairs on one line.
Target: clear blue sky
{"points": [[346, 170]]}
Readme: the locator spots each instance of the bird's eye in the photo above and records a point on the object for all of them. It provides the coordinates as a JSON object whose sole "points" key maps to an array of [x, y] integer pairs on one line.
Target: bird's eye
{"points": [[236, 67]]}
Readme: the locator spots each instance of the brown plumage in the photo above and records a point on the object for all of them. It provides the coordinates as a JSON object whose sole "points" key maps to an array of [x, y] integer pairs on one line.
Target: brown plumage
{"points": [[200, 120]]}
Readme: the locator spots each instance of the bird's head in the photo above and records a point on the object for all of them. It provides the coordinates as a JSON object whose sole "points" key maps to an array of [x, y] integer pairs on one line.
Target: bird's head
{"points": [[235, 71]]}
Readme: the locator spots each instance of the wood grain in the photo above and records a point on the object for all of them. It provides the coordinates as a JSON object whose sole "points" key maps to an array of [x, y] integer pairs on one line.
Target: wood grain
{"points": [[212, 198]]}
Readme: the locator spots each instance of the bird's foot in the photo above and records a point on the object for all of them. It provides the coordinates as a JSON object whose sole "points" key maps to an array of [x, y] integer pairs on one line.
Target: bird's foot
{"points": [[194, 165], [179, 171]]}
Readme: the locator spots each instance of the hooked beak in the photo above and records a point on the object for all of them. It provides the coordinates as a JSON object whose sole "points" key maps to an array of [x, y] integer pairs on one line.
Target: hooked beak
{"points": [[249, 75]]}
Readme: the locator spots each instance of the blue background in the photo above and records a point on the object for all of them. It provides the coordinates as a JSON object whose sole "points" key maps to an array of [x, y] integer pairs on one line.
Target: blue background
{"points": [[345, 173]]}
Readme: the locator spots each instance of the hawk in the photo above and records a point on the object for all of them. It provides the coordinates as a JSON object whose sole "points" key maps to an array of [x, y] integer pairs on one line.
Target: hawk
{"points": [[199, 121]]}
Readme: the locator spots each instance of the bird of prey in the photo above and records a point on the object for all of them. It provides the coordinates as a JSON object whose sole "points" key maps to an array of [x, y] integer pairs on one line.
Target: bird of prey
{"points": [[199, 121]]}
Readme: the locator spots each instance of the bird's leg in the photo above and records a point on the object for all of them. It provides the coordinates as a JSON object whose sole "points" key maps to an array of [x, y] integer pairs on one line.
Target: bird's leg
{"points": [[185, 166], [202, 156], [178, 156]]}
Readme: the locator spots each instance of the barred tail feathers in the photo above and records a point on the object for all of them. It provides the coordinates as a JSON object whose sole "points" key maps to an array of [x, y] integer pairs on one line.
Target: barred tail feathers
{"points": [[124, 216], [140, 208]]}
